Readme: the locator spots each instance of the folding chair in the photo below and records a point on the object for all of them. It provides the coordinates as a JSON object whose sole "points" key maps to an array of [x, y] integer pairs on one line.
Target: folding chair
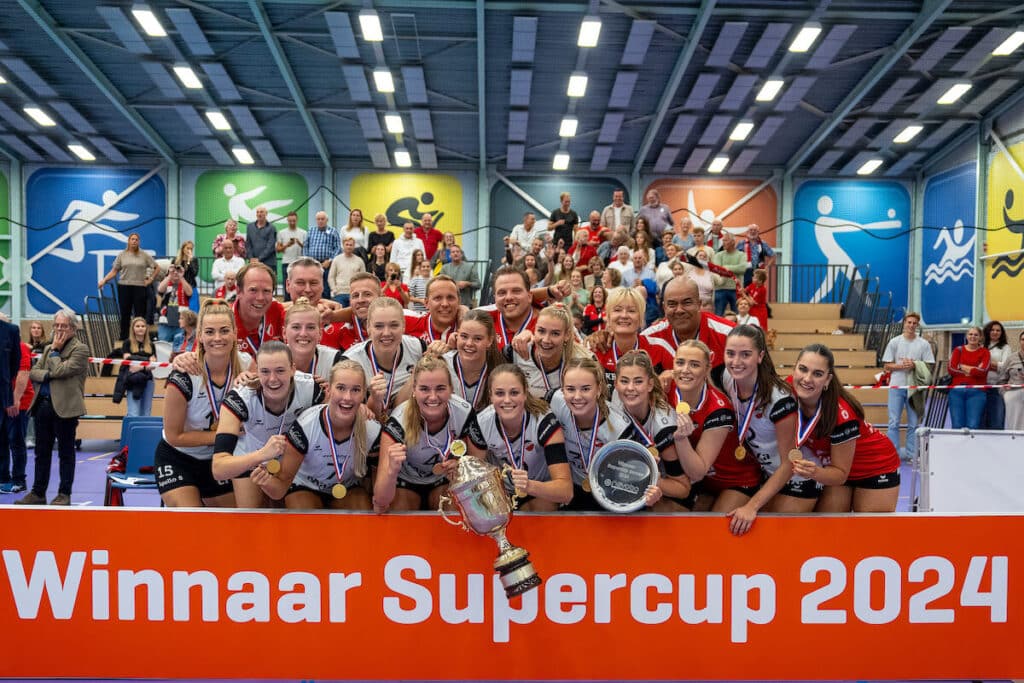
{"points": [[142, 441]]}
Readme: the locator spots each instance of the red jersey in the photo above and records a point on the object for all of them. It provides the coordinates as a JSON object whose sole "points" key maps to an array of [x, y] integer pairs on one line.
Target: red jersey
{"points": [[430, 240], [759, 309], [594, 234], [395, 294], [25, 366], [978, 360], [270, 327], [712, 330], [332, 336], [874, 454], [713, 412], [662, 357], [505, 333], [351, 333], [587, 252], [421, 326]]}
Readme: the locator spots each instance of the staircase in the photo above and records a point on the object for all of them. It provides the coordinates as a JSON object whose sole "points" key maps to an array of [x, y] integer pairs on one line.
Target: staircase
{"points": [[797, 325]]}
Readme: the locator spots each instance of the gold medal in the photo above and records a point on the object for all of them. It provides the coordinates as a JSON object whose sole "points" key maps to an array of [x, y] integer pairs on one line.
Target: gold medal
{"points": [[458, 448], [273, 466], [653, 450], [586, 485], [521, 493], [741, 452], [339, 491], [683, 408], [214, 425], [795, 455]]}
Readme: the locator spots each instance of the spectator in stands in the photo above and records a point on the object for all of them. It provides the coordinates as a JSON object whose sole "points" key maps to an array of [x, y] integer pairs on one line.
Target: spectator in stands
{"points": [[618, 214], [429, 235], [999, 352], [322, 243], [526, 232], [899, 358], [230, 234], [444, 254], [229, 290], [186, 258], [228, 261], [378, 260], [743, 315], [582, 252], [594, 315], [663, 273], [261, 240], [637, 271], [700, 245], [357, 231], [622, 259], [968, 365], [734, 261], [343, 267], [596, 233], [657, 215], [135, 270], [596, 269], [37, 339], [185, 339], [289, 243], [174, 294], [60, 400], [382, 235], [14, 406], [393, 285], [759, 254], [580, 297], [1013, 372], [404, 247], [757, 292], [643, 243], [683, 237], [465, 276], [611, 278], [563, 222], [418, 288], [138, 381], [715, 234]]}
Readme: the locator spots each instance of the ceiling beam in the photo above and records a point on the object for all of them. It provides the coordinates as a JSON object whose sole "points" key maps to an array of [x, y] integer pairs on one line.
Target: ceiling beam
{"points": [[931, 11], [669, 93], [481, 86], [89, 68], [263, 21]]}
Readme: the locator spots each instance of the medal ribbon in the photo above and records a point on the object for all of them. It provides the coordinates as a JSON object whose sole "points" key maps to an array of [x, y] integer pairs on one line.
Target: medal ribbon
{"points": [[462, 381], [504, 328], [803, 431], [211, 395], [647, 439], [377, 368], [543, 372], [589, 453], [359, 329], [445, 451], [430, 331], [339, 467], [748, 415], [508, 444], [255, 346], [700, 399], [284, 415], [615, 349]]}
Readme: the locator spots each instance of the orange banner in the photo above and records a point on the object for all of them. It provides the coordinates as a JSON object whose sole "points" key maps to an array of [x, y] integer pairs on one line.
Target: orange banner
{"points": [[161, 594]]}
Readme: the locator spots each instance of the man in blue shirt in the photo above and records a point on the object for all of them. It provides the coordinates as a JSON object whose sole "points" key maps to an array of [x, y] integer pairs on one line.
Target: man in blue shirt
{"points": [[323, 243]]}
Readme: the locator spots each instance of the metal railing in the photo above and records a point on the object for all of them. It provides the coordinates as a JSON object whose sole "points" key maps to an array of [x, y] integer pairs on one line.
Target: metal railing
{"points": [[824, 283]]}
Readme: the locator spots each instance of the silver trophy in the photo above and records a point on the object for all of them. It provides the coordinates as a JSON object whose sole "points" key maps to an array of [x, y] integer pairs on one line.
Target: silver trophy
{"points": [[620, 473], [478, 489]]}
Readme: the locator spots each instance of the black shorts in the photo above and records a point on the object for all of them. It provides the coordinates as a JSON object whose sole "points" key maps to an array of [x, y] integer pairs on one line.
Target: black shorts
{"points": [[889, 480], [325, 498], [175, 469], [808, 489]]}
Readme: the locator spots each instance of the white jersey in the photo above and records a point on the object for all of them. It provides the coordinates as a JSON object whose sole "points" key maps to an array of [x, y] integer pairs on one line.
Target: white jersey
{"points": [[760, 437], [199, 413], [308, 435], [528, 450], [410, 351], [324, 359], [476, 393], [578, 439], [659, 426], [539, 380], [258, 423], [420, 457]]}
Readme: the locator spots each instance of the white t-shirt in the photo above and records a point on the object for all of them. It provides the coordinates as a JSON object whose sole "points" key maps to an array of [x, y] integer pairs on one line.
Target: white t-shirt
{"points": [[294, 251], [360, 235], [401, 253], [223, 265], [899, 348]]}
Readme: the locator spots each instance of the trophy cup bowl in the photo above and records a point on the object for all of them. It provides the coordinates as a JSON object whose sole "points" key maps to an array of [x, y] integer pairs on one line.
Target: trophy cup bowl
{"points": [[478, 489]]}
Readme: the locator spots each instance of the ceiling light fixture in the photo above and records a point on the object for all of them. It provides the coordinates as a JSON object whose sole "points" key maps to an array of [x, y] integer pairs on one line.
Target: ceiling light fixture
{"points": [[770, 90], [2, 79], [81, 152], [383, 80], [402, 158], [718, 164], [40, 116], [393, 123], [148, 21], [1010, 45], [568, 127], [187, 77], [218, 120], [954, 93], [243, 155], [590, 30], [869, 167], [803, 41], [907, 134], [742, 130], [577, 85], [561, 161], [369, 22]]}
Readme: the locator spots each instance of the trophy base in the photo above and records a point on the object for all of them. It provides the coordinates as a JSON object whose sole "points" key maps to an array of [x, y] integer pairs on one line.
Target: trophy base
{"points": [[516, 572]]}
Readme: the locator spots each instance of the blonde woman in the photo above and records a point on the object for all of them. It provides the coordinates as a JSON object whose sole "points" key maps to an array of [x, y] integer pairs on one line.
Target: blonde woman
{"points": [[544, 359], [139, 383], [474, 357]]}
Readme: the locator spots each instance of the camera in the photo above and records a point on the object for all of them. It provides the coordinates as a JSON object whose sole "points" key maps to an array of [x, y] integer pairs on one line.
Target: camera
{"points": [[393, 277]]}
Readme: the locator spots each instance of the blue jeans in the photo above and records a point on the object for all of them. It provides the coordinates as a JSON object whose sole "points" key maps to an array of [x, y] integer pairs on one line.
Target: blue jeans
{"points": [[141, 407], [897, 402], [966, 408], [724, 297], [165, 332], [995, 410], [13, 454], [342, 299]]}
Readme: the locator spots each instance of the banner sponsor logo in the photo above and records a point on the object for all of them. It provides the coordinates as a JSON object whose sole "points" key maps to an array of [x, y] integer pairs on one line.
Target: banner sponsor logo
{"points": [[948, 239], [405, 197], [1006, 220]]}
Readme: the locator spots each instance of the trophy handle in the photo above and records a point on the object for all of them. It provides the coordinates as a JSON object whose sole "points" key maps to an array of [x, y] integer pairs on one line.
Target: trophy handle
{"points": [[440, 508], [506, 473]]}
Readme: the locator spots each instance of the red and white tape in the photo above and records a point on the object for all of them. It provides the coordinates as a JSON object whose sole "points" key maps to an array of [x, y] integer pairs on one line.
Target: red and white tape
{"points": [[934, 386], [121, 361]]}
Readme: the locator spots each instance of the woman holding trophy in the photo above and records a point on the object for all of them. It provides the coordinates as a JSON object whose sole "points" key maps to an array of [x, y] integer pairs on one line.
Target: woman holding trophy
{"points": [[582, 409], [420, 437], [389, 355], [254, 421], [706, 438], [326, 449], [766, 414], [519, 430], [553, 343], [474, 357]]}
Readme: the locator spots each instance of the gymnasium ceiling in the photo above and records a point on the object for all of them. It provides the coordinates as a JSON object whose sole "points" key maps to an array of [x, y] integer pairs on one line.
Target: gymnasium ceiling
{"points": [[667, 82]]}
